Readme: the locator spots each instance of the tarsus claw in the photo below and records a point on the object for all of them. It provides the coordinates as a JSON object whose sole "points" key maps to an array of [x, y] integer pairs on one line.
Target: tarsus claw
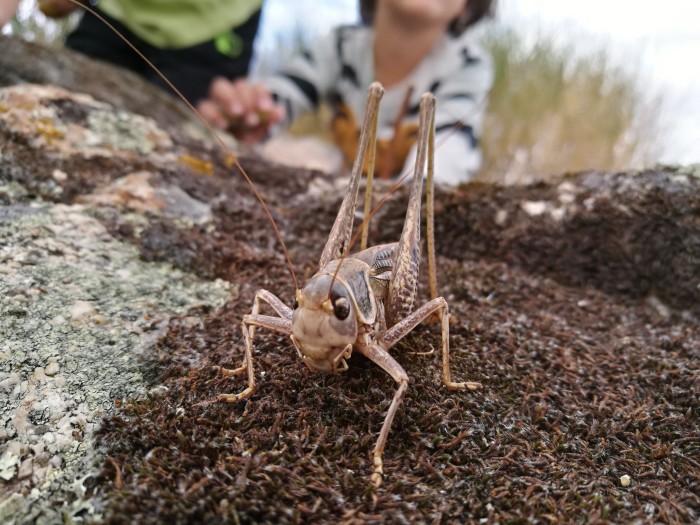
{"points": [[227, 372], [232, 398]]}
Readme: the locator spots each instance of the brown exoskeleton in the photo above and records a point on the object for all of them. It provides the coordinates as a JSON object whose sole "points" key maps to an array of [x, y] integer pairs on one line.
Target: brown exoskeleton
{"points": [[361, 302]]}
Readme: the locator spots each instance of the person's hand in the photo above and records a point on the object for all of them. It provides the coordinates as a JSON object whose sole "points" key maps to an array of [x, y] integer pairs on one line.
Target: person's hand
{"points": [[247, 110], [57, 8]]}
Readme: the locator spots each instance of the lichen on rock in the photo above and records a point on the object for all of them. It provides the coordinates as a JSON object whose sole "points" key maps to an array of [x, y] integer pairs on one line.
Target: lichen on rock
{"points": [[79, 315], [71, 123]]}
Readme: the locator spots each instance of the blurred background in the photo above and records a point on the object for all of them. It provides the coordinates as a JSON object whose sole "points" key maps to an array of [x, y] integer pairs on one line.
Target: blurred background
{"points": [[579, 85]]}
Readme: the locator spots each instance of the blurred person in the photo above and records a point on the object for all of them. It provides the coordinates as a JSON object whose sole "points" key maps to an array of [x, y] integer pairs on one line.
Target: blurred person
{"points": [[410, 46], [190, 41]]}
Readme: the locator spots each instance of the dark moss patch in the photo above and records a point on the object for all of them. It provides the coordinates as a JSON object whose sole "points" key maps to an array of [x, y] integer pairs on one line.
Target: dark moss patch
{"points": [[634, 236], [584, 380]]}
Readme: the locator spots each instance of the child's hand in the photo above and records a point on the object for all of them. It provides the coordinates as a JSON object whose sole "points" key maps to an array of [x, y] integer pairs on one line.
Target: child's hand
{"points": [[246, 110], [56, 8]]}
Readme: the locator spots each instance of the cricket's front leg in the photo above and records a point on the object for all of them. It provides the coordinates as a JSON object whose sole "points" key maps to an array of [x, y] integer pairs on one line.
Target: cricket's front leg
{"points": [[250, 322], [403, 327], [381, 357]]}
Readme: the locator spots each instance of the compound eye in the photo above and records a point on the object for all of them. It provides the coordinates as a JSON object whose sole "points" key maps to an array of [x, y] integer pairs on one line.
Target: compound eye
{"points": [[341, 308], [295, 304]]}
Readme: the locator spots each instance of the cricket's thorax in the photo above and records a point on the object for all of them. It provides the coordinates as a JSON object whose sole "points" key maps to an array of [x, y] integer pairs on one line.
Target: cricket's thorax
{"points": [[325, 326]]}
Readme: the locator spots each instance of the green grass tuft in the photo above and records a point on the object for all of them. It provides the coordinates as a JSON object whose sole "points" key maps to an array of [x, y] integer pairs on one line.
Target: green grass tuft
{"points": [[553, 111]]}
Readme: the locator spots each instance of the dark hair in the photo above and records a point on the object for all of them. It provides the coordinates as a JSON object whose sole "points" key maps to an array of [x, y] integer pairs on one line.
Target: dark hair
{"points": [[474, 11]]}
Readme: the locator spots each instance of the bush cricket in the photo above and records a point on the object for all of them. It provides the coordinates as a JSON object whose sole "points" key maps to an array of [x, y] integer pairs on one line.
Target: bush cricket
{"points": [[361, 302]]}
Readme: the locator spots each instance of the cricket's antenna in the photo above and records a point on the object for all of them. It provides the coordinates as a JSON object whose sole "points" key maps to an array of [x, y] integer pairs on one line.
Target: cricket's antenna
{"points": [[278, 234]]}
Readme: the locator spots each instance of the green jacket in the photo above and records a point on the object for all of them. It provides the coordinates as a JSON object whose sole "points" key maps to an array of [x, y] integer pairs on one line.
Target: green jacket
{"points": [[175, 24]]}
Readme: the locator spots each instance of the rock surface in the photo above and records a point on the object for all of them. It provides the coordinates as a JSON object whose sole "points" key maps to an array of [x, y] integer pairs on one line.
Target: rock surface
{"points": [[129, 253], [80, 310], [80, 315]]}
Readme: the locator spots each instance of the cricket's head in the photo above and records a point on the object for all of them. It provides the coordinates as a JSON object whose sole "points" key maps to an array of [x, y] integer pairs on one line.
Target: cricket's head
{"points": [[324, 325]]}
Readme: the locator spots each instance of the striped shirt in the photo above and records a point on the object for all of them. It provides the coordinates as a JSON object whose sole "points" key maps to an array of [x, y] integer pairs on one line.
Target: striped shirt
{"points": [[339, 68]]}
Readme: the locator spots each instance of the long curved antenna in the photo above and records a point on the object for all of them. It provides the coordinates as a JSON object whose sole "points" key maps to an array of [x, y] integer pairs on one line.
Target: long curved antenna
{"points": [[278, 234]]}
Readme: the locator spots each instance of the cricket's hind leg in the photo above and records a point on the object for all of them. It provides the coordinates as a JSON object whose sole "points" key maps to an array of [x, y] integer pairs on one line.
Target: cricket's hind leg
{"points": [[341, 232], [404, 279]]}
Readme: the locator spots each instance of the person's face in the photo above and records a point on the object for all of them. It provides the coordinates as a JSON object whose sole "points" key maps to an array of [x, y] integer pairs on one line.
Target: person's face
{"points": [[426, 11]]}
